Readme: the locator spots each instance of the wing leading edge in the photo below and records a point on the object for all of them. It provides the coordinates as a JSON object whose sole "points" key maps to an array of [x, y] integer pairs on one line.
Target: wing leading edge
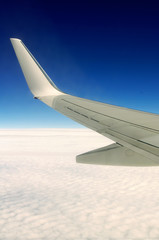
{"points": [[136, 132]]}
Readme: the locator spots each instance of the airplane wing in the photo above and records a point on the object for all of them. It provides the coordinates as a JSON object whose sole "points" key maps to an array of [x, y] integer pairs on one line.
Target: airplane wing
{"points": [[136, 133]]}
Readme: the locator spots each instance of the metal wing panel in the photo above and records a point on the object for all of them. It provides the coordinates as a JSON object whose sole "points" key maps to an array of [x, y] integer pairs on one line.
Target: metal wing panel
{"points": [[136, 130], [94, 115]]}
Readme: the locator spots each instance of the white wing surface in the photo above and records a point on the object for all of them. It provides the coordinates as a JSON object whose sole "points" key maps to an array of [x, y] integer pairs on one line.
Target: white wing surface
{"points": [[136, 133]]}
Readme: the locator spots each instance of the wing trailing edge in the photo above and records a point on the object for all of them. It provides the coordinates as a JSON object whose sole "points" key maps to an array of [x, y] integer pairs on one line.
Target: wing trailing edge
{"points": [[115, 155]]}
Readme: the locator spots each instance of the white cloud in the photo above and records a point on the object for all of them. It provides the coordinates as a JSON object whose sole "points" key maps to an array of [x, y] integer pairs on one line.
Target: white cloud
{"points": [[45, 194]]}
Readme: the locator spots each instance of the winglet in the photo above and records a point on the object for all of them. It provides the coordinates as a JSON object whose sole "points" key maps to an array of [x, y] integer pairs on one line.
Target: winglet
{"points": [[38, 81]]}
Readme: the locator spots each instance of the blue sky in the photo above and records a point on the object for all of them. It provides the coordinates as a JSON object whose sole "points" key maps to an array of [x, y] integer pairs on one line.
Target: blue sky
{"points": [[107, 52]]}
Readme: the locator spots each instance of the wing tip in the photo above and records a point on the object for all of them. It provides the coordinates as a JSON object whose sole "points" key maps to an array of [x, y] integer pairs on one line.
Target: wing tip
{"points": [[15, 40]]}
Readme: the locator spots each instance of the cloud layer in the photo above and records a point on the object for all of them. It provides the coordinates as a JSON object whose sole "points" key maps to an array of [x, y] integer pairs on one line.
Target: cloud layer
{"points": [[45, 194]]}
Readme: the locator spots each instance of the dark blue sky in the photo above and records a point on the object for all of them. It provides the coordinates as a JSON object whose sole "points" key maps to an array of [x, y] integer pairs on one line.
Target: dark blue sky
{"points": [[107, 52]]}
